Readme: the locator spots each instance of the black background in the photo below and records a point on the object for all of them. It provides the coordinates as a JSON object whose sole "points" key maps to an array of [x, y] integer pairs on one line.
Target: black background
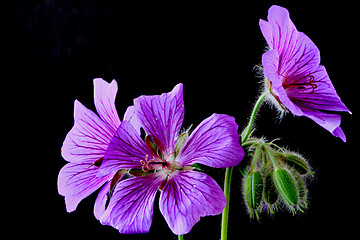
{"points": [[53, 50]]}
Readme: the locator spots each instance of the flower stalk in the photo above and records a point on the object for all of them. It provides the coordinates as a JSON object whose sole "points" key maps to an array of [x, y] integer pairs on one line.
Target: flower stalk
{"points": [[225, 214], [247, 131], [228, 172]]}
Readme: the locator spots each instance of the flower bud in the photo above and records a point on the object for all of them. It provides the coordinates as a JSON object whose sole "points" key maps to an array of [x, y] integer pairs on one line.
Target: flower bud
{"points": [[253, 191], [301, 189], [270, 194], [286, 187], [297, 162]]}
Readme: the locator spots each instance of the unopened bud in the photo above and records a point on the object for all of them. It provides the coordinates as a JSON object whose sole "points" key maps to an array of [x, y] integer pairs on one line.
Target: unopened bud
{"points": [[286, 187], [253, 191], [301, 189], [297, 162], [270, 194]]}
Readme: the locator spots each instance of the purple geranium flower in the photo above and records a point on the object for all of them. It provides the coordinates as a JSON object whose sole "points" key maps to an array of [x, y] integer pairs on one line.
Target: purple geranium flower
{"points": [[297, 81], [163, 161], [84, 148]]}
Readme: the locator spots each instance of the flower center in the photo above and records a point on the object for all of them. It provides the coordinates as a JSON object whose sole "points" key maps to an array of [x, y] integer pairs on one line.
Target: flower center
{"points": [[150, 164], [308, 84]]}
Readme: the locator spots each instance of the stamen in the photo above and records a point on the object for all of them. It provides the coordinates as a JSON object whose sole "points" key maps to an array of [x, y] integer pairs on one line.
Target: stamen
{"points": [[302, 86], [159, 153], [145, 164], [311, 82], [162, 163]]}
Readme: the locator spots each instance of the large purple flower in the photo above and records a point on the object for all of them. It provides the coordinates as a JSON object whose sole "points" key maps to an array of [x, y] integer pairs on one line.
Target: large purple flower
{"points": [[297, 81], [163, 161], [84, 148]]}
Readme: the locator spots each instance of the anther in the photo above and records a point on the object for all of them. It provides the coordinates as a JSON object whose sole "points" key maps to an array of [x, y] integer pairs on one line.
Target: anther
{"points": [[145, 164]]}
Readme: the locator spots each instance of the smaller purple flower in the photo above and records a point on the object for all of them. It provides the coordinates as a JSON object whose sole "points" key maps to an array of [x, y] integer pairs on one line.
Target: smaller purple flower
{"points": [[296, 80], [163, 161], [85, 146]]}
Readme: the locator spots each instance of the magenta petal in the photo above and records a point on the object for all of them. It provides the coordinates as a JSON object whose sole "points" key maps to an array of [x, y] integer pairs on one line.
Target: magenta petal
{"points": [[330, 122], [104, 98], [77, 181], [89, 137], [100, 203], [130, 116], [186, 197], [325, 97], [338, 132], [270, 61], [280, 31], [215, 143], [162, 116], [125, 150], [131, 207], [267, 31], [297, 54], [299, 58]]}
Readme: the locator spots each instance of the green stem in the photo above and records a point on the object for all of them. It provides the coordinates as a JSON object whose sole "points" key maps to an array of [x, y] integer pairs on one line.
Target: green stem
{"points": [[248, 128], [180, 237], [225, 214], [270, 154], [228, 172]]}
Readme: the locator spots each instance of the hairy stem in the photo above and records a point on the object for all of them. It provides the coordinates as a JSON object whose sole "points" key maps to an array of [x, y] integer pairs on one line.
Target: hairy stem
{"points": [[247, 131]]}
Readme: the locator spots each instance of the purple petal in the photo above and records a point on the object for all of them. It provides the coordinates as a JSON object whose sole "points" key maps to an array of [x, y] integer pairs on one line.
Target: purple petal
{"points": [[280, 31], [162, 116], [215, 143], [338, 132], [77, 181], [270, 62], [186, 197], [299, 58], [89, 137], [292, 56], [330, 122], [104, 97], [131, 207], [101, 199], [130, 116], [324, 96], [125, 150]]}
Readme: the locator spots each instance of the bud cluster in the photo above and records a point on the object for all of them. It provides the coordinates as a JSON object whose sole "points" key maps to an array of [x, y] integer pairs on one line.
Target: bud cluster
{"points": [[275, 177]]}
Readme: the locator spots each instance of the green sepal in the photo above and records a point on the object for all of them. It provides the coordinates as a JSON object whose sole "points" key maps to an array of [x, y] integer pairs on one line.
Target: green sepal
{"points": [[151, 144], [140, 172], [197, 167], [286, 187], [253, 186], [180, 141]]}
